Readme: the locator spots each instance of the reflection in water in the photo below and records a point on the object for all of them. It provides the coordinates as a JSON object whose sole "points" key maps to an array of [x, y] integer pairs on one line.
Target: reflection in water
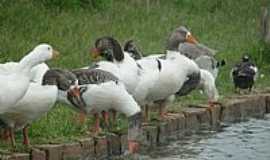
{"points": [[242, 141]]}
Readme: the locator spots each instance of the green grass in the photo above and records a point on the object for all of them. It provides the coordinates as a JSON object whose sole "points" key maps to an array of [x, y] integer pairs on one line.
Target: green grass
{"points": [[231, 27]]}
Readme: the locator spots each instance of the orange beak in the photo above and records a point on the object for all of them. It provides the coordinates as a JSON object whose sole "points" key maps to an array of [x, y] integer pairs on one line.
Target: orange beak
{"points": [[95, 53], [56, 54], [191, 39]]}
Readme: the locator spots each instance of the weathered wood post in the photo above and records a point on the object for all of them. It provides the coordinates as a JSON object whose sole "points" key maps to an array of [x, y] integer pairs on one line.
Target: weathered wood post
{"points": [[265, 24]]}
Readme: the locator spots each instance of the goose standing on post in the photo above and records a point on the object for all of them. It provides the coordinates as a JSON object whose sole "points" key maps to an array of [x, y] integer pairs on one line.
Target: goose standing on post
{"points": [[15, 79], [182, 40], [138, 81], [99, 92], [118, 63], [36, 101], [173, 69], [104, 92], [244, 74], [199, 79]]}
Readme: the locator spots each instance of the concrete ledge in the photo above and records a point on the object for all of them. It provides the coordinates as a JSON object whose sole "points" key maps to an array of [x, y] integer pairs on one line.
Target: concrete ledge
{"points": [[189, 120], [16, 156], [236, 110]]}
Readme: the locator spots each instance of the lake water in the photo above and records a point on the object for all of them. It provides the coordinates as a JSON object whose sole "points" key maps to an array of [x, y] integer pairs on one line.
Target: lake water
{"points": [[241, 141]]}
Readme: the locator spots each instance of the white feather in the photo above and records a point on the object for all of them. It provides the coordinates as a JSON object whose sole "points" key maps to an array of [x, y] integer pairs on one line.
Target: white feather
{"points": [[207, 84], [15, 77], [37, 101], [127, 71], [110, 95]]}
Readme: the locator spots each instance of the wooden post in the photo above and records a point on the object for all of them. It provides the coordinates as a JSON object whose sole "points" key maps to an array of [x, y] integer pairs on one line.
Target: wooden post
{"points": [[148, 5], [265, 24]]}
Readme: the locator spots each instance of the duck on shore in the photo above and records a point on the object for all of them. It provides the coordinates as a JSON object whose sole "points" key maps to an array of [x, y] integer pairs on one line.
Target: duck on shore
{"points": [[244, 74]]}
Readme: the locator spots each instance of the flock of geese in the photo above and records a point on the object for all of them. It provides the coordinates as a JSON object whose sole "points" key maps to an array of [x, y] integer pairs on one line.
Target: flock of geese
{"points": [[124, 81]]}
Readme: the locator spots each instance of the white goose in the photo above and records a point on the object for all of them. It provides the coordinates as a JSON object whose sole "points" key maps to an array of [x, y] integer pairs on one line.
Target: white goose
{"points": [[124, 67], [199, 78], [182, 40], [15, 79], [99, 92], [137, 79], [37, 101], [173, 69], [117, 62]]}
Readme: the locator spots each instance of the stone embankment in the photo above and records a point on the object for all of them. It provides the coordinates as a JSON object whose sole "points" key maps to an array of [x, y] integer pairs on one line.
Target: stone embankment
{"points": [[187, 121]]}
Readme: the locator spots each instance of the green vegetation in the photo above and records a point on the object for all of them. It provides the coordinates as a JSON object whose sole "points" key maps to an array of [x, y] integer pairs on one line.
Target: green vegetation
{"points": [[231, 27]]}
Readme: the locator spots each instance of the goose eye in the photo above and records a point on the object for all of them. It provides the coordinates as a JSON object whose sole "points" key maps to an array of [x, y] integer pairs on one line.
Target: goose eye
{"points": [[49, 48]]}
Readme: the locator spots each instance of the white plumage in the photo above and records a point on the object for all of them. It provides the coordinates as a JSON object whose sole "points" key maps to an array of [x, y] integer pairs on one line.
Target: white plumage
{"points": [[208, 63], [15, 79], [172, 76], [206, 81], [149, 76], [37, 101], [207, 84], [126, 70], [109, 95]]}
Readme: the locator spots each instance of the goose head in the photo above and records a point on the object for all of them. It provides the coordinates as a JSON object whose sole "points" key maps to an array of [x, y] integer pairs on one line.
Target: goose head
{"points": [[66, 82], [45, 52], [131, 48], [108, 48], [39, 54], [74, 95], [180, 35]]}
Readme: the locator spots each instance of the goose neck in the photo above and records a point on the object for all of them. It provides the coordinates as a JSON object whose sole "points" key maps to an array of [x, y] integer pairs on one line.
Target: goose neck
{"points": [[29, 61]]}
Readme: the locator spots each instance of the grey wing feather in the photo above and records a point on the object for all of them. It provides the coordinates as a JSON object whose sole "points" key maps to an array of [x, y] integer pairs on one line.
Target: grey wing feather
{"points": [[208, 63], [53, 74], [94, 76], [193, 51], [191, 84]]}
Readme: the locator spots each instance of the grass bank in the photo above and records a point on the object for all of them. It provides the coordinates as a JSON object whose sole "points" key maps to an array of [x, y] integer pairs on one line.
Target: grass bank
{"points": [[231, 27]]}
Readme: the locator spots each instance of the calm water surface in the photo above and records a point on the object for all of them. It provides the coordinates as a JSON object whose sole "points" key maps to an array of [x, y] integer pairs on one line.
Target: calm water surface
{"points": [[242, 141]]}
